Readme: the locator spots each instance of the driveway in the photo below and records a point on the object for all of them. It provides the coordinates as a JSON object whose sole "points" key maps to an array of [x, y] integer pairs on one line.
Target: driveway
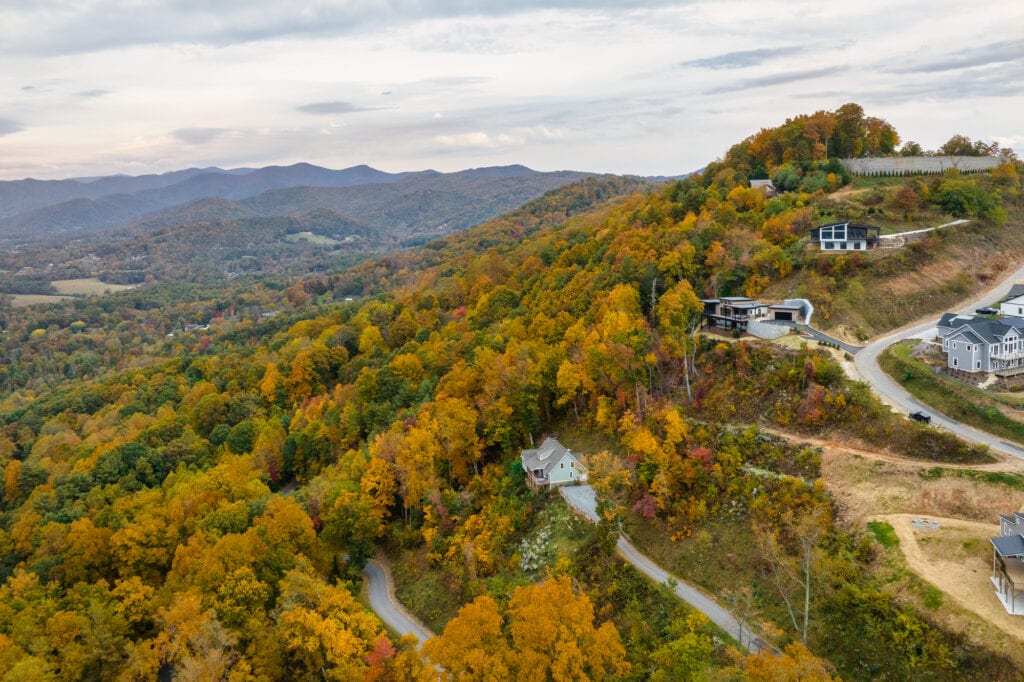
{"points": [[382, 600], [892, 393], [584, 501]]}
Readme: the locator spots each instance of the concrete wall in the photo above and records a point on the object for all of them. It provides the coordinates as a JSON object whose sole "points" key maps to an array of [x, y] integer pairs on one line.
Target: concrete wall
{"points": [[763, 330], [913, 165]]}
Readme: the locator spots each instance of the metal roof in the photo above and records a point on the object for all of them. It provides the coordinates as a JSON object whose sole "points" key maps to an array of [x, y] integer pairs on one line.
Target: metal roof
{"points": [[1009, 545]]}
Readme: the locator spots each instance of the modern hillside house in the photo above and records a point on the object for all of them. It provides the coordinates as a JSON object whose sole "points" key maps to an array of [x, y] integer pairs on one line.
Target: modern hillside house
{"points": [[1008, 563], [982, 344], [551, 465], [733, 312], [846, 237]]}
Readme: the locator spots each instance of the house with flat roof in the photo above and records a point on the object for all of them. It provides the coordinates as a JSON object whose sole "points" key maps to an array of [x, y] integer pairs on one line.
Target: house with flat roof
{"points": [[551, 465], [1008, 563], [846, 236], [733, 312]]}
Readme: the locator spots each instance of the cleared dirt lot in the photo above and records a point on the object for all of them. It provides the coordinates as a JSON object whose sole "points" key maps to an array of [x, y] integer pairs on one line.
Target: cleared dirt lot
{"points": [[957, 559]]}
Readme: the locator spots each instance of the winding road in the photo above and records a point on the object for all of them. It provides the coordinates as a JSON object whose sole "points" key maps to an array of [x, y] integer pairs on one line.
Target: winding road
{"points": [[381, 589], [866, 362], [584, 501]]}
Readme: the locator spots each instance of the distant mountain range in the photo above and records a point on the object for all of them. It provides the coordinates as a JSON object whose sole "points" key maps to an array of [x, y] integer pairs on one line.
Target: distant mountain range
{"points": [[403, 204]]}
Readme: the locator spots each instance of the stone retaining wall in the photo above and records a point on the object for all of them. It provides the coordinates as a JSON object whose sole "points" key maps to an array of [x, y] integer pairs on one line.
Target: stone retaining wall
{"points": [[915, 165]]}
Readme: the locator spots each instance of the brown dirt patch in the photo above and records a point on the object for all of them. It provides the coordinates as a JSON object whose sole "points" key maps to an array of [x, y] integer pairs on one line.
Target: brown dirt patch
{"points": [[957, 559], [866, 486]]}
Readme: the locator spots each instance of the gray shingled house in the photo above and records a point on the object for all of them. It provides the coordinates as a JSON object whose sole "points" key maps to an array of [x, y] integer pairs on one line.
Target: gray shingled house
{"points": [[981, 344], [551, 465]]}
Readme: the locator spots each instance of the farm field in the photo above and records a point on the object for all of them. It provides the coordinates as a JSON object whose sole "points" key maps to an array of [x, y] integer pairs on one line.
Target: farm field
{"points": [[25, 300], [88, 286]]}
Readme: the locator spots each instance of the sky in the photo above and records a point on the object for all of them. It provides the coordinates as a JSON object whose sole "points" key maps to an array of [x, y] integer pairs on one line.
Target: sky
{"points": [[98, 87]]}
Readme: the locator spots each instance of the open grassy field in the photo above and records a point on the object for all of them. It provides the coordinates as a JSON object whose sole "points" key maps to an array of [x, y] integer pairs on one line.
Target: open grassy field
{"points": [[311, 238], [88, 286], [25, 300]]}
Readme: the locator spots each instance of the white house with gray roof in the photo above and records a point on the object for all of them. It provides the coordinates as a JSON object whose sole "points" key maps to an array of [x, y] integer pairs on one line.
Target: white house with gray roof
{"points": [[1013, 302], [1008, 563], [981, 344], [551, 465]]}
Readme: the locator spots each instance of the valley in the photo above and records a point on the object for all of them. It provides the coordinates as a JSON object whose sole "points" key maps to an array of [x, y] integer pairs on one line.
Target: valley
{"points": [[287, 382]]}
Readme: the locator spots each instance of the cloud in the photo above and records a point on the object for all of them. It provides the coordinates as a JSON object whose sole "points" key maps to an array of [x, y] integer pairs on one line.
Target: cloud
{"points": [[995, 53], [322, 108], [8, 126], [967, 85], [478, 140], [92, 94], [197, 136], [74, 27], [777, 79], [743, 58]]}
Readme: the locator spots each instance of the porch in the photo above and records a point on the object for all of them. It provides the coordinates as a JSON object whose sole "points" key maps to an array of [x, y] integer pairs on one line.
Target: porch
{"points": [[1008, 573], [537, 480]]}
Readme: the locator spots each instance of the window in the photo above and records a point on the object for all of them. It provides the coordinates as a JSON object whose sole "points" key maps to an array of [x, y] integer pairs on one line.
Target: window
{"points": [[978, 365], [955, 362], [828, 245]]}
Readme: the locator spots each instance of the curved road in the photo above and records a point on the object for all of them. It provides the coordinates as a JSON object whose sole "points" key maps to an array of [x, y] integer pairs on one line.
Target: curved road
{"points": [[382, 600], [582, 499], [866, 362]]}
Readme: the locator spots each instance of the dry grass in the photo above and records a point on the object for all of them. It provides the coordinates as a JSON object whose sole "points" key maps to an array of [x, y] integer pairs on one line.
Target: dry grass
{"points": [[25, 300], [864, 488], [957, 559], [88, 286]]}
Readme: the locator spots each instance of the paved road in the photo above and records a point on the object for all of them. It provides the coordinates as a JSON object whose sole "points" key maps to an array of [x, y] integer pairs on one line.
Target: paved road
{"points": [[583, 500], [382, 600], [891, 392]]}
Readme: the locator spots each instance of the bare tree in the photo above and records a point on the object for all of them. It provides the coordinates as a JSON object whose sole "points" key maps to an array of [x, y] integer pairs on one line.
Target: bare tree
{"points": [[791, 573]]}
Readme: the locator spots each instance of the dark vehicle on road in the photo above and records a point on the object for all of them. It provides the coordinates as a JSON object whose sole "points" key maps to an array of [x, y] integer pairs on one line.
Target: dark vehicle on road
{"points": [[922, 417], [987, 311]]}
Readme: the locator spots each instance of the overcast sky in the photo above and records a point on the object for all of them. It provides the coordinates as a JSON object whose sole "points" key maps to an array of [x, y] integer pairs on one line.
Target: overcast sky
{"points": [[95, 87]]}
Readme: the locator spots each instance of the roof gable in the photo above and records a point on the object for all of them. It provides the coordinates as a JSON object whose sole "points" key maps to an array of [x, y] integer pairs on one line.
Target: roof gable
{"points": [[965, 333], [547, 456]]}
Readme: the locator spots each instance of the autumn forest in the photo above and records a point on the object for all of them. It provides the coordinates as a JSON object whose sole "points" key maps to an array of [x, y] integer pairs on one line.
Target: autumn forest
{"points": [[196, 473]]}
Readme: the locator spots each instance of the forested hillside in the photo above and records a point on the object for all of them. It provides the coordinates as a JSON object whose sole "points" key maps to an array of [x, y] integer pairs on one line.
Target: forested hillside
{"points": [[193, 481]]}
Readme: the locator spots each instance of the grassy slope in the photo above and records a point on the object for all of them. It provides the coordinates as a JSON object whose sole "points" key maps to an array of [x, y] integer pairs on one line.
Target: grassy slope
{"points": [[952, 398]]}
